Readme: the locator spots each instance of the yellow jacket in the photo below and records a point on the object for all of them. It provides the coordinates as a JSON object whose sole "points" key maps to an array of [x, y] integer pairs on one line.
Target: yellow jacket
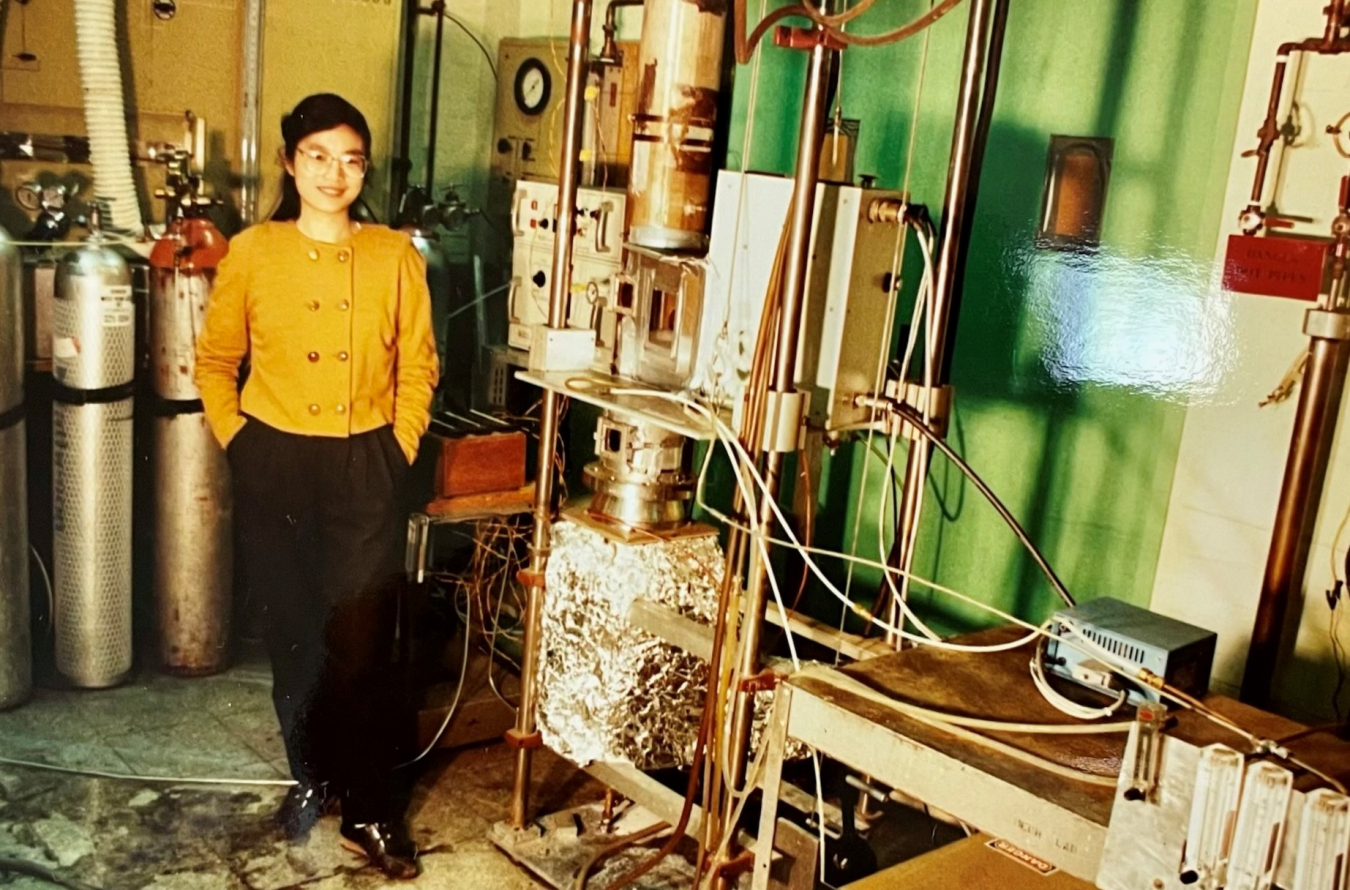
{"points": [[339, 337]]}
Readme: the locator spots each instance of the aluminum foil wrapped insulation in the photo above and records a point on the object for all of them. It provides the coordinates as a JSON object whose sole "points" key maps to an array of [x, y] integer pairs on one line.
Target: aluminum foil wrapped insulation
{"points": [[610, 691]]}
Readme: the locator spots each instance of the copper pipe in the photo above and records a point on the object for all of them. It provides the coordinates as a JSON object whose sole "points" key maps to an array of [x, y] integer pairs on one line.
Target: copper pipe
{"points": [[1332, 43], [1270, 128], [802, 217], [569, 172], [1319, 405], [1304, 473], [609, 53]]}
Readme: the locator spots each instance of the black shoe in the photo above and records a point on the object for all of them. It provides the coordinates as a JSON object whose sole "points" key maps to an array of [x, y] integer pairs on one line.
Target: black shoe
{"points": [[301, 809], [386, 845]]}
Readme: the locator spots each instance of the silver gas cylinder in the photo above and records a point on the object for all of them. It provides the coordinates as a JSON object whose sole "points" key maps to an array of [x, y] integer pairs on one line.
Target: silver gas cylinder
{"points": [[16, 661], [93, 362], [193, 508]]}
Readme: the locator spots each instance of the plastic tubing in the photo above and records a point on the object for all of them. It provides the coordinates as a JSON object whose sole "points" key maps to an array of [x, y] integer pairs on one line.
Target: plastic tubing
{"points": [[105, 113]]}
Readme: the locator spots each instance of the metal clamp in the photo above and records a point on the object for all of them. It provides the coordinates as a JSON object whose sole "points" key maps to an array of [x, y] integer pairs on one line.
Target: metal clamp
{"points": [[523, 741], [806, 38], [1327, 324], [935, 401], [784, 416]]}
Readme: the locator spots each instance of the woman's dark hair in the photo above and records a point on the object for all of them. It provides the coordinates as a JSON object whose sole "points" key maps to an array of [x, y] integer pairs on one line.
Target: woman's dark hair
{"points": [[314, 114]]}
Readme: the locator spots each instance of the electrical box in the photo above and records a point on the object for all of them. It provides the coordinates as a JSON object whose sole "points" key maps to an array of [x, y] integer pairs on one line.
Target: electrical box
{"points": [[593, 281], [561, 349], [527, 124], [599, 219], [597, 251], [1180, 653], [845, 322]]}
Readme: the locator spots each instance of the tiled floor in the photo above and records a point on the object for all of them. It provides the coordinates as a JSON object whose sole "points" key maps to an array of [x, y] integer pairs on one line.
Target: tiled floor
{"points": [[124, 835]]}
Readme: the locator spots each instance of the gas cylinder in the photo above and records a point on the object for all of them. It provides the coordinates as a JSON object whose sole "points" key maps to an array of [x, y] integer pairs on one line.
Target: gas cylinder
{"points": [[671, 174], [93, 363], [193, 508], [16, 660]]}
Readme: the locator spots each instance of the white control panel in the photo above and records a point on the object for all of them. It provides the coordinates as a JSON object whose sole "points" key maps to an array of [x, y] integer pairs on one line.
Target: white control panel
{"points": [[593, 281], [599, 219]]}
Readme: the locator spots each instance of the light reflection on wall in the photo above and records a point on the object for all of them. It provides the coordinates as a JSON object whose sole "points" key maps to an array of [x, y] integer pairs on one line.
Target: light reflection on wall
{"points": [[1156, 325]]}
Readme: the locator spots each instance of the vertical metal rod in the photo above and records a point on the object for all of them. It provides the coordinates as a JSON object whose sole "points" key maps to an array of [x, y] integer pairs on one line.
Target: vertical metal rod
{"points": [[250, 111], [438, 9], [569, 169], [955, 208], [402, 163], [1304, 473], [785, 363]]}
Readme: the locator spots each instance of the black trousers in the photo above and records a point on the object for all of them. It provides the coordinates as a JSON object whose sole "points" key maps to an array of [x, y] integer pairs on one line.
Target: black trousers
{"points": [[320, 525]]}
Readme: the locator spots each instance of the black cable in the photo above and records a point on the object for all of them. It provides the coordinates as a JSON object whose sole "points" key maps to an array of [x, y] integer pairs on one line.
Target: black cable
{"points": [[912, 418], [465, 28], [42, 873]]}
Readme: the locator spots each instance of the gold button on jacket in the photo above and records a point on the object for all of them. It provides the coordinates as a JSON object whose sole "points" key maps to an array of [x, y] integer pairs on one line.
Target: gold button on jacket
{"points": [[284, 300]]}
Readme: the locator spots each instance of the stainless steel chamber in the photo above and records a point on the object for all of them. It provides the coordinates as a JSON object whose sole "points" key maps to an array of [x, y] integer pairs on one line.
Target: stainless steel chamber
{"points": [[639, 479]]}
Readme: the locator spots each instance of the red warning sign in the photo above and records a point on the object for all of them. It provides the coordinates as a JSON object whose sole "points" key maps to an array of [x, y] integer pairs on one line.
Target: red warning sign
{"points": [[1274, 267]]}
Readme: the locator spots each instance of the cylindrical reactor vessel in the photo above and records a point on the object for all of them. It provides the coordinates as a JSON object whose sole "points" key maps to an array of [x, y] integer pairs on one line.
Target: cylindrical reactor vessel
{"points": [[672, 167], [16, 660], [93, 361], [193, 510]]}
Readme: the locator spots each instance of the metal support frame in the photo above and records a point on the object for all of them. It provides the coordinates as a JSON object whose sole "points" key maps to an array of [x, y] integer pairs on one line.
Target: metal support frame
{"points": [[569, 171], [802, 214], [972, 105], [250, 110]]}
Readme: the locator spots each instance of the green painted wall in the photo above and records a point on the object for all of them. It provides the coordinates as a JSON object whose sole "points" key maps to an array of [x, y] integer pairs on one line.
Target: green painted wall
{"points": [[1071, 372]]}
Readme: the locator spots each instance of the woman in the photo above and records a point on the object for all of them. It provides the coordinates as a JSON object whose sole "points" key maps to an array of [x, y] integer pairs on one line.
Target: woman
{"points": [[334, 319]]}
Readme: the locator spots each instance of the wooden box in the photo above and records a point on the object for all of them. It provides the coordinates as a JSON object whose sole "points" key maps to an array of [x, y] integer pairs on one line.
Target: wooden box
{"points": [[474, 464]]}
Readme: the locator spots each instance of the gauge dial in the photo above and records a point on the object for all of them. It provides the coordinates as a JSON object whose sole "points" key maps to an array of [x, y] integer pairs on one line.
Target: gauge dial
{"points": [[532, 87]]}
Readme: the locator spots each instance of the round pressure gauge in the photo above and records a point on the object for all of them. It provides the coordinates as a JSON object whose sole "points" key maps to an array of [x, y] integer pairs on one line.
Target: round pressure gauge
{"points": [[533, 85]]}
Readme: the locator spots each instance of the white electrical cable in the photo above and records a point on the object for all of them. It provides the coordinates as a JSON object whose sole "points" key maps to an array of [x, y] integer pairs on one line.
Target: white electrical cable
{"points": [[47, 582], [901, 600], [1062, 703], [127, 777], [459, 690], [738, 454], [105, 112]]}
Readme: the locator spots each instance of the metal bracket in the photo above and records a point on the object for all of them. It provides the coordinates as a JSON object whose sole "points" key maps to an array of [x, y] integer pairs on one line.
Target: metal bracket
{"points": [[1149, 723], [805, 38], [525, 742], [1327, 324], [784, 416], [917, 397]]}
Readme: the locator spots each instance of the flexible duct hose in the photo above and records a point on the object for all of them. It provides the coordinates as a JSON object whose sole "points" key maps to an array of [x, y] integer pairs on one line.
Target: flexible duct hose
{"points": [[105, 113]]}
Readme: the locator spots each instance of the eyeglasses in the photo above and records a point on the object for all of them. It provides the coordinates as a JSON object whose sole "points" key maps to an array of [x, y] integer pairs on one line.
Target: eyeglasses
{"points": [[317, 161]]}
